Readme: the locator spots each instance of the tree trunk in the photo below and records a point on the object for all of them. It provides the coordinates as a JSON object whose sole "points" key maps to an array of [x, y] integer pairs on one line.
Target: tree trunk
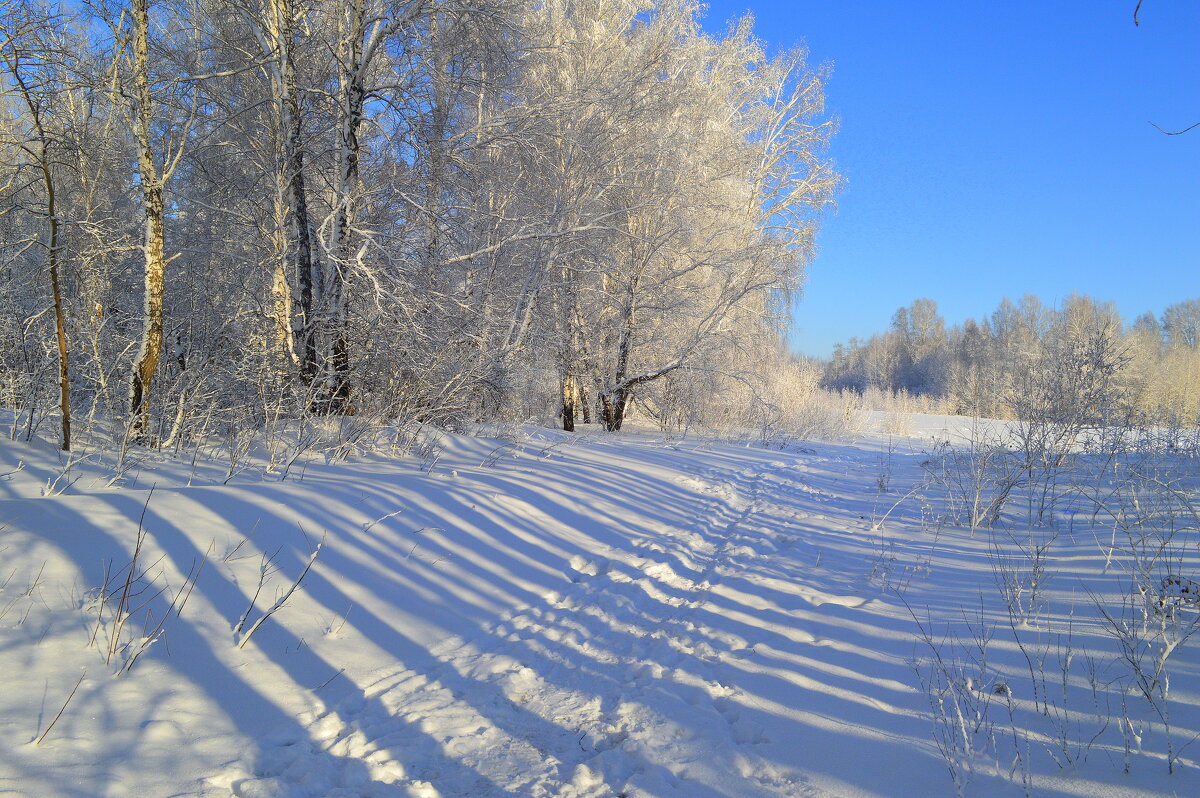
{"points": [[291, 124], [305, 343], [281, 289], [153, 210], [581, 401], [614, 404], [52, 249], [352, 93], [60, 329], [615, 400], [568, 408]]}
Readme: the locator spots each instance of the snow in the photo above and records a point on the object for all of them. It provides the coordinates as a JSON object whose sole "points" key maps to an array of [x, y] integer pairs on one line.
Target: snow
{"points": [[544, 616]]}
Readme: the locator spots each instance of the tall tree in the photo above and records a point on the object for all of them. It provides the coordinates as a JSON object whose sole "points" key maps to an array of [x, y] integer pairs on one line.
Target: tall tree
{"points": [[134, 76], [30, 58]]}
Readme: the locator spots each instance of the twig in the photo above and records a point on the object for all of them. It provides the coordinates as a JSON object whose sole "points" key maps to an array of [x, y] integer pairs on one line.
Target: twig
{"points": [[61, 711], [188, 593], [1177, 132], [330, 679], [287, 594], [367, 527], [264, 570]]}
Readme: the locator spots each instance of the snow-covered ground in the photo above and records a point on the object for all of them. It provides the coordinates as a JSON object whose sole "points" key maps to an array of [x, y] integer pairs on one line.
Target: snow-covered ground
{"points": [[551, 615]]}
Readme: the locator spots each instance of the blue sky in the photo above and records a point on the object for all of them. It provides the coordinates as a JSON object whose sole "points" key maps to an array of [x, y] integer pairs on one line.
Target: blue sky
{"points": [[995, 149]]}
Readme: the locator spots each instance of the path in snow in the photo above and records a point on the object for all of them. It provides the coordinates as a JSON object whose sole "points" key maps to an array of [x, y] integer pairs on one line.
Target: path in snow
{"points": [[611, 687]]}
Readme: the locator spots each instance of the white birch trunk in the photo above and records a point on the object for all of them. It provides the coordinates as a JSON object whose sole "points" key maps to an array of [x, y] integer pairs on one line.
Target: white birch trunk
{"points": [[153, 210]]}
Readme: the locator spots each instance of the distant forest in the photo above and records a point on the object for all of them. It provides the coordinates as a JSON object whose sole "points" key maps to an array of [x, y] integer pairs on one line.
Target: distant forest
{"points": [[994, 366]]}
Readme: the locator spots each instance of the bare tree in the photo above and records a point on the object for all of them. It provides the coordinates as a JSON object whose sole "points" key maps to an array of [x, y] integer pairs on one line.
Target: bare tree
{"points": [[29, 57]]}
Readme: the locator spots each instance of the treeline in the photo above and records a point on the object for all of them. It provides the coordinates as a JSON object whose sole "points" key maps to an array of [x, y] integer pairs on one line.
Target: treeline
{"points": [[219, 212], [1026, 357]]}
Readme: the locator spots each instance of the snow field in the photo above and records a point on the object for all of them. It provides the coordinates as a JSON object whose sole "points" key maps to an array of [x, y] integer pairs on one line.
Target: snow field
{"points": [[609, 616]]}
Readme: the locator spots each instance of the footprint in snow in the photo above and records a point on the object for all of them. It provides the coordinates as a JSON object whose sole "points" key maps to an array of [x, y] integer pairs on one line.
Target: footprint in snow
{"points": [[585, 567]]}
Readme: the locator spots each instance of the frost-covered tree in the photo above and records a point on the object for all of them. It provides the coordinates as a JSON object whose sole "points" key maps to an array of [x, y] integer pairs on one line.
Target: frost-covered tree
{"points": [[430, 210], [1072, 365], [1181, 323]]}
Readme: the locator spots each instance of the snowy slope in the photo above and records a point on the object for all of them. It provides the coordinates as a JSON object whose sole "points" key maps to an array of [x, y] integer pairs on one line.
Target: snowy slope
{"points": [[554, 616]]}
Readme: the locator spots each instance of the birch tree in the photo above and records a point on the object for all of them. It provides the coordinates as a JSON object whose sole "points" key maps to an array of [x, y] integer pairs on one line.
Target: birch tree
{"points": [[159, 133], [29, 55]]}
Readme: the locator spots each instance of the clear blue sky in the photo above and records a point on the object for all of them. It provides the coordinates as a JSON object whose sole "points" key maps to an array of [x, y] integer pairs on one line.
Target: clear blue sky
{"points": [[995, 149]]}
